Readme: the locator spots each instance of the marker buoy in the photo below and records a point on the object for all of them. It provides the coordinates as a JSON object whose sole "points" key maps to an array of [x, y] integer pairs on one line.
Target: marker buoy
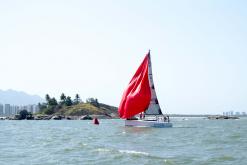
{"points": [[95, 121]]}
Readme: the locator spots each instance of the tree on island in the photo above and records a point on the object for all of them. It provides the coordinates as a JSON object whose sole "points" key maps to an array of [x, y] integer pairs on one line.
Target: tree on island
{"points": [[50, 106], [42, 106], [68, 101], [24, 114], [93, 101], [77, 99], [47, 98], [62, 98], [49, 110], [50, 101], [53, 102], [66, 106]]}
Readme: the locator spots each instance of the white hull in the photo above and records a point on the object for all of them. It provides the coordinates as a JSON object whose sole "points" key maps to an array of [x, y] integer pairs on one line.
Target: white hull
{"points": [[146, 123]]}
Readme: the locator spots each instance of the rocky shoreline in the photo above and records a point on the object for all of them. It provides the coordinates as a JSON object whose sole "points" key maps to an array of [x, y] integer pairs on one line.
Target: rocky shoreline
{"points": [[62, 117], [220, 117]]}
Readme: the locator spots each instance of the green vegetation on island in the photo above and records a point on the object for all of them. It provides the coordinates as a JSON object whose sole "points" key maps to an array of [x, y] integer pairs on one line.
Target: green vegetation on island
{"points": [[67, 106], [24, 114]]}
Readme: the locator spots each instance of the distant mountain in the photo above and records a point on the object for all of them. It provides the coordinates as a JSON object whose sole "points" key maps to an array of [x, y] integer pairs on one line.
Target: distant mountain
{"points": [[18, 98]]}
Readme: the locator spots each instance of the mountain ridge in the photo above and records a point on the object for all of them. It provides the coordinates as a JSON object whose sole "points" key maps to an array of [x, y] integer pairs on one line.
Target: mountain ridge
{"points": [[14, 97]]}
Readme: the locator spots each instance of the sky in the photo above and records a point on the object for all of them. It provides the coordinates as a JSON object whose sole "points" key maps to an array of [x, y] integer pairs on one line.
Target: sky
{"points": [[93, 48]]}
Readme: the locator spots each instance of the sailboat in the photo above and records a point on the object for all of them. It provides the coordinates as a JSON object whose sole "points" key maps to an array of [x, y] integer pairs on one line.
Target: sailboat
{"points": [[139, 105]]}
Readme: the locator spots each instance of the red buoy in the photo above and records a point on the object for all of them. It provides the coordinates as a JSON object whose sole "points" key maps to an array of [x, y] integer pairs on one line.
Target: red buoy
{"points": [[95, 121]]}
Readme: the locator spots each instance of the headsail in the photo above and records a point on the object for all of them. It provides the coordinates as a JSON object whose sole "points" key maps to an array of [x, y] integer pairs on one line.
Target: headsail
{"points": [[154, 107], [137, 96]]}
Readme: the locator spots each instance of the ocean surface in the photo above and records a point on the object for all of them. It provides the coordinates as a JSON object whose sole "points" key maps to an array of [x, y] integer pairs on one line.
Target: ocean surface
{"points": [[193, 141]]}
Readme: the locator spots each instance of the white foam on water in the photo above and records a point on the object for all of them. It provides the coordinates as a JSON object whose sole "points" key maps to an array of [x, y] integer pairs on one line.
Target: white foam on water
{"points": [[134, 152], [103, 150]]}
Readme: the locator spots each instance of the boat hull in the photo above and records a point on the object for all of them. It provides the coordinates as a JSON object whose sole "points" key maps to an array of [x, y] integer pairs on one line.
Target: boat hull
{"points": [[146, 123]]}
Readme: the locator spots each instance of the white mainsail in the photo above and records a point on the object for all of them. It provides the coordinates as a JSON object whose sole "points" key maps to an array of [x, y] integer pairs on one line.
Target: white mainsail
{"points": [[154, 107]]}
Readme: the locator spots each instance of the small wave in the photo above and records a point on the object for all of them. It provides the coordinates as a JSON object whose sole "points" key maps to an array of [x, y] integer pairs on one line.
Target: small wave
{"points": [[223, 158], [122, 151], [134, 152], [103, 150], [185, 127], [83, 144]]}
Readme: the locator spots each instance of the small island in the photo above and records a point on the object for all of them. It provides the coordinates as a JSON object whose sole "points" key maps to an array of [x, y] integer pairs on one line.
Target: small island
{"points": [[70, 109]]}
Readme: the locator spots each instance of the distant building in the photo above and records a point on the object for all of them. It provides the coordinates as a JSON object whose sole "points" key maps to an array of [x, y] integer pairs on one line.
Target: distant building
{"points": [[21, 108], [35, 108], [237, 113], [7, 110], [17, 109], [1, 110], [12, 110], [244, 113], [24, 107], [30, 108], [226, 113]]}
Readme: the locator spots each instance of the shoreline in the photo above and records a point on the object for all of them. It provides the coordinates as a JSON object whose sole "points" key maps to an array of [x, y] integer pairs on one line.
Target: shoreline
{"points": [[91, 117], [61, 117]]}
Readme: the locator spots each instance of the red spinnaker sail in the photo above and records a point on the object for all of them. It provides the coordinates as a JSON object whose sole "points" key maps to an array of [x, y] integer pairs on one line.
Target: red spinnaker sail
{"points": [[136, 97]]}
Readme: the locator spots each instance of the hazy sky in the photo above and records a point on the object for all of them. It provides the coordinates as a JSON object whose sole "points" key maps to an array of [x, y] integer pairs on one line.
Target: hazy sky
{"points": [[198, 49]]}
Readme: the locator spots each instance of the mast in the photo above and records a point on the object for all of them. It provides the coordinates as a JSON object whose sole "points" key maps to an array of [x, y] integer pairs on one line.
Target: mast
{"points": [[154, 107]]}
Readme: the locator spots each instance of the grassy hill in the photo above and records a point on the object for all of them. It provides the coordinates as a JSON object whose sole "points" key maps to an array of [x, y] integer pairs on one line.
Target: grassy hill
{"points": [[85, 109]]}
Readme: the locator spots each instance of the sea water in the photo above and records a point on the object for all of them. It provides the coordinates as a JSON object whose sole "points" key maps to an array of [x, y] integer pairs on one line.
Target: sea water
{"points": [[191, 141]]}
